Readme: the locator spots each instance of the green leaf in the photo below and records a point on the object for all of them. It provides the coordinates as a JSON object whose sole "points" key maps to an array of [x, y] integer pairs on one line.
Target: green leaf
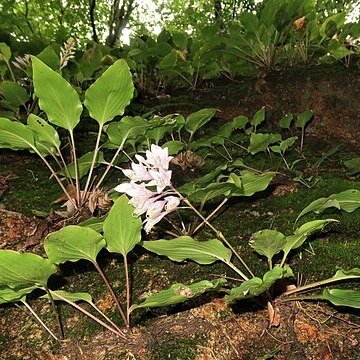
{"points": [[342, 274], [73, 297], [286, 121], [122, 230], [179, 293], [14, 94], [56, 96], [180, 40], [73, 243], [258, 118], [251, 183], [340, 297], [239, 122], [261, 142], [256, 286], [5, 52], [25, 270], [109, 95], [44, 132], [8, 295], [173, 146], [353, 165], [15, 135], [284, 145], [198, 119], [302, 233], [348, 200], [268, 242], [184, 247], [84, 164], [128, 128], [94, 223], [303, 119], [50, 58]]}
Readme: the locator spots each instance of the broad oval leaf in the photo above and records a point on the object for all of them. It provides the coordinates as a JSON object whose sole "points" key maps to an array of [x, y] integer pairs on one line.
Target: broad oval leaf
{"points": [[122, 230], [185, 247], [261, 142], [258, 118], [268, 242], [303, 119], [24, 270], [256, 286], [198, 119], [14, 93], [109, 95], [348, 200], [129, 127], [179, 293], [302, 233], [73, 297], [8, 294], [15, 135], [44, 132], [249, 183], [285, 122], [56, 96], [341, 297], [5, 52], [73, 243]]}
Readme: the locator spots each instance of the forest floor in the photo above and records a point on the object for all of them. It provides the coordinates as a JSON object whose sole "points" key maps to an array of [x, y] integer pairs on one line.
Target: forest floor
{"points": [[208, 328]]}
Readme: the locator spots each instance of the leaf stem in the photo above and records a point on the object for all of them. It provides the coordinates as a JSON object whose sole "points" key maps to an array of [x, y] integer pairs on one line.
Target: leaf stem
{"points": [[91, 316], [96, 151], [217, 232], [33, 313], [106, 281], [109, 166], [77, 180], [57, 312], [318, 284], [128, 295]]}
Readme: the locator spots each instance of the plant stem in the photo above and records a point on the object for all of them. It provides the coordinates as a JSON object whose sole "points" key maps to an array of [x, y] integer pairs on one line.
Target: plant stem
{"points": [[57, 312], [217, 232], [91, 316], [10, 70], [238, 271], [96, 151], [128, 295], [211, 214], [77, 180], [318, 284], [106, 281], [109, 166], [57, 179], [38, 319], [105, 317]]}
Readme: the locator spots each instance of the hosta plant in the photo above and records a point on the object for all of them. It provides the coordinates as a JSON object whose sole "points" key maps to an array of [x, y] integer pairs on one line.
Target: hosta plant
{"points": [[153, 195], [106, 98]]}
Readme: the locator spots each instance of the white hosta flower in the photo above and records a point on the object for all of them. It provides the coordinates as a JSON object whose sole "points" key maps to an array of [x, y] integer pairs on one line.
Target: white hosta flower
{"points": [[138, 173], [134, 190], [151, 221], [150, 172], [161, 179], [158, 157], [142, 204], [155, 209], [172, 202]]}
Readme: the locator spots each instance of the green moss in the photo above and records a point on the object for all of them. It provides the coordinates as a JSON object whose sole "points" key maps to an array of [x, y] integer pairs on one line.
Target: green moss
{"points": [[29, 185], [176, 348]]}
